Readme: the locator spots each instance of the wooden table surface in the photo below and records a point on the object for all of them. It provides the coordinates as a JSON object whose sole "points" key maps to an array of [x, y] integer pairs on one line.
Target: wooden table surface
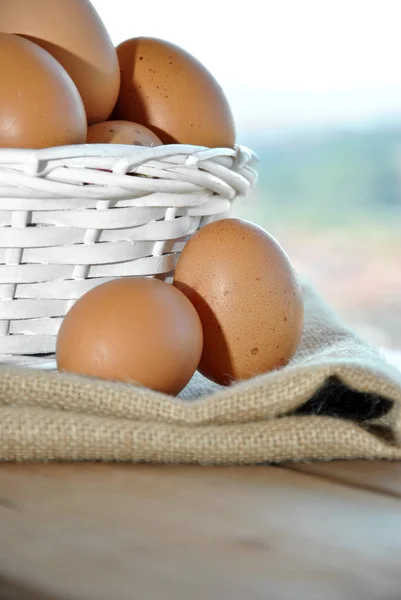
{"points": [[108, 532]]}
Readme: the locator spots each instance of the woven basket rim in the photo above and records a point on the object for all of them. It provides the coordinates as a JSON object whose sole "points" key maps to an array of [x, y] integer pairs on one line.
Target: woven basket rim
{"points": [[15, 155]]}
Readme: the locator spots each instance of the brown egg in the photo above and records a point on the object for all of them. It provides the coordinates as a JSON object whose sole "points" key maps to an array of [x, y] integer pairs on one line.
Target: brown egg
{"points": [[39, 103], [136, 330], [121, 132], [247, 296], [72, 31], [172, 93]]}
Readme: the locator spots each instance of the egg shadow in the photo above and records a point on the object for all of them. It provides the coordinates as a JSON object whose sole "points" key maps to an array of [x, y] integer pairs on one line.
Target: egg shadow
{"points": [[215, 364], [77, 65], [63, 56]]}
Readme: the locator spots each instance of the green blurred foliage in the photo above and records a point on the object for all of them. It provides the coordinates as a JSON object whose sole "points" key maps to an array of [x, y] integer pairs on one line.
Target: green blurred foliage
{"points": [[341, 179]]}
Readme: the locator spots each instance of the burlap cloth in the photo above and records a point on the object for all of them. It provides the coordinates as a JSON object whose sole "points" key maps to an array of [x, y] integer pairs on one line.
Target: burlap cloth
{"points": [[337, 399]]}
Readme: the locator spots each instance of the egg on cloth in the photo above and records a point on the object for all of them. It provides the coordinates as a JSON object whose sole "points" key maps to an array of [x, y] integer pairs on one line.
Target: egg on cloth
{"points": [[135, 330], [73, 33], [247, 295], [39, 103], [168, 90], [122, 132]]}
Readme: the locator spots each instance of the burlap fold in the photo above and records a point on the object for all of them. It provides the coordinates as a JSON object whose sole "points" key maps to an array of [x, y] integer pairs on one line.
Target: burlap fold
{"points": [[337, 399]]}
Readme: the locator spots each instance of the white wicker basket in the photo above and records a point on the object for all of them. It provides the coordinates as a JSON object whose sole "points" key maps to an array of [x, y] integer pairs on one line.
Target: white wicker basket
{"points": [[73, 217]]}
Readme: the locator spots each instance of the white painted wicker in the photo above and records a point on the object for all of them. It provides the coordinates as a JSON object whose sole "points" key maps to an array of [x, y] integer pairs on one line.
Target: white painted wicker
{"points": [[73, 217]]}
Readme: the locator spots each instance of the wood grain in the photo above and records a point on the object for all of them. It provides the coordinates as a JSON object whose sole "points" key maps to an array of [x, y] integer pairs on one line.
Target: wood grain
{"points": [[97, 532], [383, 477]]}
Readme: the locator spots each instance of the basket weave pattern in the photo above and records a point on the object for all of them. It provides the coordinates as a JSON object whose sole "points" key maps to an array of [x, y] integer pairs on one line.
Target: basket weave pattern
{"points": [[73, 217]]}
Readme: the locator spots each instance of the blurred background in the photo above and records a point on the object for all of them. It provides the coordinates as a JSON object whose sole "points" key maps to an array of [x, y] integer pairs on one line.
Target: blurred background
{"points": [[315, 87]]}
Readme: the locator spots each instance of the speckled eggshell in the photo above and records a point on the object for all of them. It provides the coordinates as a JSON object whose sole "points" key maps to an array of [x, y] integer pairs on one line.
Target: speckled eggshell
{"points": [[122, 132], [39, 103], [135, 330], [73, 32], [248, 298], [171, 92]]}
